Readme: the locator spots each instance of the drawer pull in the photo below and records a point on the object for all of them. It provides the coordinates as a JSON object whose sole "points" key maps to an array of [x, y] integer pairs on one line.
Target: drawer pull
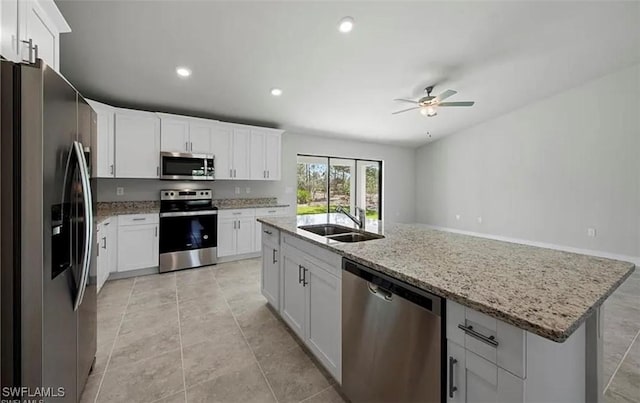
{"points": [[139, 219], [452, 388], [268, 232], [236, 213], [271, 211], [490, 340]]}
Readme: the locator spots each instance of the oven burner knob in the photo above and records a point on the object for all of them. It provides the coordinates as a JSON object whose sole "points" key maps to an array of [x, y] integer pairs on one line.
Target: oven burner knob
{"points": [[172, 193], [206, 237]]}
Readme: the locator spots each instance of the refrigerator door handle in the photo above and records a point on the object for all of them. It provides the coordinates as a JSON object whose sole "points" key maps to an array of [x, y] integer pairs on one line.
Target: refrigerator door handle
{"points": [[88, 221]]}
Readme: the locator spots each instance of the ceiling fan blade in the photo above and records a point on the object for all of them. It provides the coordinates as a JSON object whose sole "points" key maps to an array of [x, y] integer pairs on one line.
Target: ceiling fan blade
{"points": [[445, 95], [459, 103], [406, 100], [405, 110]]}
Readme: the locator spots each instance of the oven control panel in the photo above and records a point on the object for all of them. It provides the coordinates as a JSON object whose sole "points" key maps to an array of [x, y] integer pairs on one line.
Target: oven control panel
{"points": [[186, 194]]}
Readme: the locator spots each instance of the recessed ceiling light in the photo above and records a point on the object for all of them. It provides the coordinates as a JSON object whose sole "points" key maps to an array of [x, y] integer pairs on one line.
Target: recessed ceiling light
{"points": [[183, 71], [345, 25], [276, 92]]}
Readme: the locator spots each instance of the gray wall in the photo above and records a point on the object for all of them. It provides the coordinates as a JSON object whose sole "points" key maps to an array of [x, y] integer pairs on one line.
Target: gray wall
{"points": [[546, 172], [398, 179]]}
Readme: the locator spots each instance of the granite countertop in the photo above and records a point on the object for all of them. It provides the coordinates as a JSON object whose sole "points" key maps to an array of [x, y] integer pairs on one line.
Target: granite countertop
{"points": [[109, 209], [547, 292], [264, 202]]}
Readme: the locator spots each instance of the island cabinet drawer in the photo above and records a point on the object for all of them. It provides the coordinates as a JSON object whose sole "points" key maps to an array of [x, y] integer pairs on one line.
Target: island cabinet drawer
{"points": [[137, 219], [329, 261], [270, 235], [492, 339], [237, 213]]}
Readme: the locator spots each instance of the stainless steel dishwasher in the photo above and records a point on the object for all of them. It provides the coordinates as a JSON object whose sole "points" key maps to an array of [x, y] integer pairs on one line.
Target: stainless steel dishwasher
{"points": [[392, 339]]}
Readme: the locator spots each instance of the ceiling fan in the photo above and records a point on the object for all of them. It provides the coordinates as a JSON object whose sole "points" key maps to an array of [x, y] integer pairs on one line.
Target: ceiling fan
{"points": [[429, 104]]}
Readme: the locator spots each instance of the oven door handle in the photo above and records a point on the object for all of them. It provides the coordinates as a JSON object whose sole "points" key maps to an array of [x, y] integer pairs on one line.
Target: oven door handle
{"points": [[187, 213]]}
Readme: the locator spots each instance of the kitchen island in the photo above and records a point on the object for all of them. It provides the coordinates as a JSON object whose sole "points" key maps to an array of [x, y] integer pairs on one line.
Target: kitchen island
{"points": [[551, 297]]}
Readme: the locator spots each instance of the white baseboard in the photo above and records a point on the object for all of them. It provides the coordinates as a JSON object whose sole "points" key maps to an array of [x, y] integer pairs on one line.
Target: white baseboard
{"points": [[633, 259]]}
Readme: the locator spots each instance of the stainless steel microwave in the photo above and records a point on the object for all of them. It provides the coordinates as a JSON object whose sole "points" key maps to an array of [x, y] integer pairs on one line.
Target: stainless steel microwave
{"points": [[186, 166]]}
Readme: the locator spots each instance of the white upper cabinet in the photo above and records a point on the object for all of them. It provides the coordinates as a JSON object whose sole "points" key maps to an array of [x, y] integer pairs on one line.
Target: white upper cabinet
{"points": [[200, 133], [221, 143], [241, 153], [105, 139], [10, 42], [137, 137], [185, 135], [265, 154], [174, 133], [231, 146], [32, 28]]}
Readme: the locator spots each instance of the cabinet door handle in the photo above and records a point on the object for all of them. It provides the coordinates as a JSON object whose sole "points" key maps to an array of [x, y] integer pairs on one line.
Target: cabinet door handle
{"points": [[268, 232], [234, 224], [111, 169], [186, 146], [274, 256], [158, 171], [156, 231], [238, 224], [30, 45], [304, 277], [452, 388], [300, 268], [234, 173], [104, 242], [191, 146], [230, 173], [490, 340], [268, 174]]}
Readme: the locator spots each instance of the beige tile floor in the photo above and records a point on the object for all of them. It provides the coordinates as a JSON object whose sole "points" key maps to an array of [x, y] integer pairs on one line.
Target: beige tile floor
{"points": [[206, 335], [622, 344], [202, 335]]}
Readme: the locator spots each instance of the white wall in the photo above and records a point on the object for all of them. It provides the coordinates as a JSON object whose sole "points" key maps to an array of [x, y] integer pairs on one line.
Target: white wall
{"points": [[398, 176], [545, 172]]}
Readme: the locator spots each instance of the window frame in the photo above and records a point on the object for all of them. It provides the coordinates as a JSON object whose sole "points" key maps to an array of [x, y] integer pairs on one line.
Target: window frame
{"points": [[354, 175]]}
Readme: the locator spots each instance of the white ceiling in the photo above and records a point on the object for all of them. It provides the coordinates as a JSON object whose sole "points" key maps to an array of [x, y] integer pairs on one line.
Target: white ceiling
{"points": [[500, 54]]}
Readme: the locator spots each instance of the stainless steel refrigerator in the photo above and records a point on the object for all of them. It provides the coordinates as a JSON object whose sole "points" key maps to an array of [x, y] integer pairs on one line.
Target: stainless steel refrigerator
{"points": [[48, 296]]}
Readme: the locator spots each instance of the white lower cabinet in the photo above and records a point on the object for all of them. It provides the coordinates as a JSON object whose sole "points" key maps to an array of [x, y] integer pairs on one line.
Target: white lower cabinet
{"points": [[293, 293], [265, 212], [138, 246], [236, 232], [323, 313], [472, 378], [310, 294], [270, 279], [107, 241], [489, 360]]}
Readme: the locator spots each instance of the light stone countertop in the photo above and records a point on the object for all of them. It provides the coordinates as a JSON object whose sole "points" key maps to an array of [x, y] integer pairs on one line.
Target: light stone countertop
{"points": [[110, 209], [547, 292]]}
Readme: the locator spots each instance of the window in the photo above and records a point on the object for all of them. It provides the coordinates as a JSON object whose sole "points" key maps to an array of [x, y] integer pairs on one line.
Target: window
{"points": [[324, 183]]}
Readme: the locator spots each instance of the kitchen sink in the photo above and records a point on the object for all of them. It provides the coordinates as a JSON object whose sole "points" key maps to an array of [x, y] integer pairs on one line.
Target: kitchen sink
{"points": [[355, 237], [326, 229]]}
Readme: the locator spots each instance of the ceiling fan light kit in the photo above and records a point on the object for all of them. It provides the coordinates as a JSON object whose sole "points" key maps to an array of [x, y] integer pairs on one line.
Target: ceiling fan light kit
{"points": [[428, 105]]}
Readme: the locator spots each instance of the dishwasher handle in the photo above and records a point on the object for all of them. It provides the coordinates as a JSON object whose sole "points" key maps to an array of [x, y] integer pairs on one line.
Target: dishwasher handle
{"points": [[380, 292]]}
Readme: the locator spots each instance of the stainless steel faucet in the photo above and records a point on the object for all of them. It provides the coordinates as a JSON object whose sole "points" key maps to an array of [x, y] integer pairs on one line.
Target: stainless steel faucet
{"points": [[359, 220]]}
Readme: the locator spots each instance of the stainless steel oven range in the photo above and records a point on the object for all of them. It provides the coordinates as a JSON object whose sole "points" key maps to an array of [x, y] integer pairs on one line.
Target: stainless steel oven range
{"points": [[188, 229]]}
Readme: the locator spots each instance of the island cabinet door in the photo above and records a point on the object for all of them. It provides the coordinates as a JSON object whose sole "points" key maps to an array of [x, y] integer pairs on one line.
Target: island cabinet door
{"points": [[293, 293], [270, 280], [478, 380], [323, 295]]}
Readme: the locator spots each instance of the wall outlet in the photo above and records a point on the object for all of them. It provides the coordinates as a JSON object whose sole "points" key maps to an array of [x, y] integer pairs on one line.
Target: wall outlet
{"points": [[237, 190], [479, 219], [458, 217], [591, 232], [119, 191], [248, 190]]}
